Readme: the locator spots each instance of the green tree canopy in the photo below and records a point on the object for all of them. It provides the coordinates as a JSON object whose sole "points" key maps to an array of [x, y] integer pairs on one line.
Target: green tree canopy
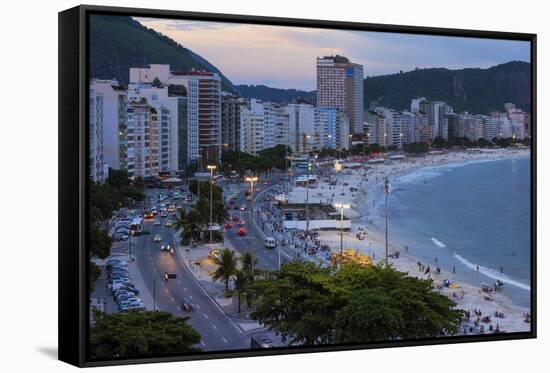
{"points": [[140, 334], [227, 267], [308, 304]]}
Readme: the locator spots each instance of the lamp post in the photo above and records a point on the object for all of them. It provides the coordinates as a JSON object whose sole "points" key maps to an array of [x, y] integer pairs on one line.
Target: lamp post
{"points": [[198, 179], [341, 206], [211, 167], [401, 140], [252, 180], [386, 193]]}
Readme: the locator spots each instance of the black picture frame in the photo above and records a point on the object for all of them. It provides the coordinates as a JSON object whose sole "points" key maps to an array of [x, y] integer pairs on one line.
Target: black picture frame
{"points": [[73, 185]]}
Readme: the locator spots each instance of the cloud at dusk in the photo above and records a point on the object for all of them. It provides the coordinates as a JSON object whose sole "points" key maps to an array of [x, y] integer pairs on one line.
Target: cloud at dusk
{"points": [[284, 57]]}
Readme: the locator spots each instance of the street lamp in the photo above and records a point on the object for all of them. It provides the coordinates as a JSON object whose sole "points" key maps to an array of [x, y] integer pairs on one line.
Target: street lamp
{"points": [[401, 141], [386, 193], [166, 277], [252, 180], [341, 206], [211, 167]]}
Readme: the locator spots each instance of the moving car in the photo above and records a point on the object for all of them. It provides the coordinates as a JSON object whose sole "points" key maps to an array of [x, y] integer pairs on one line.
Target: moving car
{"points": [[227, 226], [157, 238], [168, 223], [270, 243], [241, 231], [166, 248], [157, 222], [236, 218], [186, 305]]}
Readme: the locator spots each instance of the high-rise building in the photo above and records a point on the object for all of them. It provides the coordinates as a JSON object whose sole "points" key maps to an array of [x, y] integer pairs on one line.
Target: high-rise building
{"points": [[96, 162], [435, 111], [231, 122], [252, 131], [174, 99], [340, 86], [114, 117], [148, 123], [301, 124], [203, 108], [331, 129]]}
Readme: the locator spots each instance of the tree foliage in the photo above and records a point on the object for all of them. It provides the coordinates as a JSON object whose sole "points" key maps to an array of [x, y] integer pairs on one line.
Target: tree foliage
{"points": [[227, 267], [140, 334], [308, 304]]}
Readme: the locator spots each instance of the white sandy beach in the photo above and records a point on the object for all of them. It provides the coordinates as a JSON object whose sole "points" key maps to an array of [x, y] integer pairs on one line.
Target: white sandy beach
{"points": [[467, 297]]}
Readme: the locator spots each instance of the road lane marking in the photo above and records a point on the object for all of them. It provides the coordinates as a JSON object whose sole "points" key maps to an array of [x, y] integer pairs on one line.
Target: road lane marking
{"points": [[190, 297], [172, 299], [202, 343], [179, 282], [225, 340], [198, 306], [214, 326], [184, 288], [205, 316]]}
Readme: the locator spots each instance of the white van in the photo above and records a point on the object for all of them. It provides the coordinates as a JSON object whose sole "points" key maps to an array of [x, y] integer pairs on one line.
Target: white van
{"points": [[270, 243]]}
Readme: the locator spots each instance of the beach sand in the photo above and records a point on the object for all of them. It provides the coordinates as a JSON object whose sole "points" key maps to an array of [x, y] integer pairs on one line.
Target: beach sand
{"points": [[470, 297]]}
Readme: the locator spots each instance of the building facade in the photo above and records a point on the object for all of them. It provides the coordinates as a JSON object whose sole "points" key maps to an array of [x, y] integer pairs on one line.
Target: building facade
{"points": [[340, 86]]}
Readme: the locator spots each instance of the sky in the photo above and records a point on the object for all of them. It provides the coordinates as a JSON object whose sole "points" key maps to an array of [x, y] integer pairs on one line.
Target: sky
{"points": [[284, 57]]}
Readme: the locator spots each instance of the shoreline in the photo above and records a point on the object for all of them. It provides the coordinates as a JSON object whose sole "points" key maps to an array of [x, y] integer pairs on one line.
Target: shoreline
{"points": [[467, 296]]}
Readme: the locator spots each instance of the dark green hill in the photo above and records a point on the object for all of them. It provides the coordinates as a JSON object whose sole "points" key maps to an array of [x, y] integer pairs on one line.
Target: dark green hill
{"points": [[475, 90], [118, 43], [266, 93]]}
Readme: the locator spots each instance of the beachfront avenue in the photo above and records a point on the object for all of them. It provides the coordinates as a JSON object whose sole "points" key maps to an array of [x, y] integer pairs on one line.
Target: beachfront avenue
{"points": [[177, 276]]}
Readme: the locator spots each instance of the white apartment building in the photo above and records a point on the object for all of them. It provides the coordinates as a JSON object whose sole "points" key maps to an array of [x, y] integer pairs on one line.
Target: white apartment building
{"points": [[114, 121], [203, 106], [148, 133], [301, 123], [96, 163], [252, 131], [389, 128], [331, 129]]}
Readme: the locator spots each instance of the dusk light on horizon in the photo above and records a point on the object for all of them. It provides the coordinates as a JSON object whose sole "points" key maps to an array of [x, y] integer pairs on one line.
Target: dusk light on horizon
{"points": [[283, 57]]}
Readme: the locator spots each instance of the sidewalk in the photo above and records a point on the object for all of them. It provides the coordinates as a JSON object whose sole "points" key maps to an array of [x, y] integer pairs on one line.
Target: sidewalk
{"points": [[137, 279]]}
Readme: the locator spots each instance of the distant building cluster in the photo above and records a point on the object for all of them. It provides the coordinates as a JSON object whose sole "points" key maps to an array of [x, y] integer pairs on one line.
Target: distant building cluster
{"points": [[164, 120], [428, 120]]}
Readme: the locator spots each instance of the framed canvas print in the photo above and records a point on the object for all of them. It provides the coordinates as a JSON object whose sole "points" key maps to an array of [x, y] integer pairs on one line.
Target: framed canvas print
{"points": [[237, 186]]}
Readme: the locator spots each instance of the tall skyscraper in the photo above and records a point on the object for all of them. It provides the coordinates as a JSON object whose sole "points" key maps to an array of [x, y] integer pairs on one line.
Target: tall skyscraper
{"points": [[340, 86]]}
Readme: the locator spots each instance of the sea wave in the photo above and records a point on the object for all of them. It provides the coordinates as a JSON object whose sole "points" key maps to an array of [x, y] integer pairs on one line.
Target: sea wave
{"points": [[438, 243], [492, 273]]}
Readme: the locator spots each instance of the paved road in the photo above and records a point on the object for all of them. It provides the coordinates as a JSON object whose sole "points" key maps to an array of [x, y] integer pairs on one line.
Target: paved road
{"points": [[253, 241], [217, 330]]}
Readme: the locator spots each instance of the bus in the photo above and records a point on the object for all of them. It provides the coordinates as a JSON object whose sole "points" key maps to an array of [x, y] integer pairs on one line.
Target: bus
{"points": [[137, 225]]}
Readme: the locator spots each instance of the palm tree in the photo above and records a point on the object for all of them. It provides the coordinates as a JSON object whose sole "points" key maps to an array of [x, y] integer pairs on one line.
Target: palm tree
{"points": [[241, 283], [189, 223], [227, 267], [247, 267]]}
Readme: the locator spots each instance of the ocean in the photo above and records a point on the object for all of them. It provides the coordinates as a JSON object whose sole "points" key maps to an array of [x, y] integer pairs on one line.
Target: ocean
{"points": [[466, 216]]}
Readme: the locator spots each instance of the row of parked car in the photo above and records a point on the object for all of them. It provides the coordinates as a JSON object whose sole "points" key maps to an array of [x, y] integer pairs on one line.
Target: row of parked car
{"points": [[120, 284]]}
